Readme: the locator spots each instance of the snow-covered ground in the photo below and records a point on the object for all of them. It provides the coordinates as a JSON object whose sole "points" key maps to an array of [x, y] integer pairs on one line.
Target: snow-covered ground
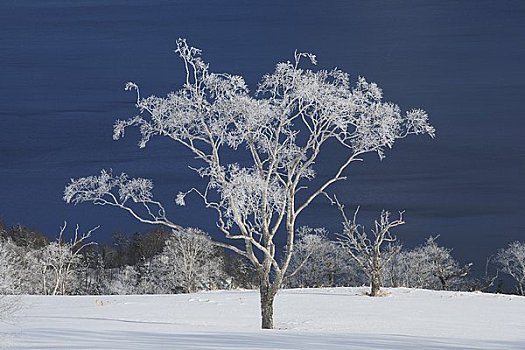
{"points": [[334, 318]]}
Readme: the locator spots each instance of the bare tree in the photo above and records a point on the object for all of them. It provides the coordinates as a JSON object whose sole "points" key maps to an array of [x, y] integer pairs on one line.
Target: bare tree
{"points": [[511, 260], [58, 258], [367, 250], [282, 130]]}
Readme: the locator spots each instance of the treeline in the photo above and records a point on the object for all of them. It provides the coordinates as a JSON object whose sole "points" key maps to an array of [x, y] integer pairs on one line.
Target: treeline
{"points": [[156, 262], [165, 262]]}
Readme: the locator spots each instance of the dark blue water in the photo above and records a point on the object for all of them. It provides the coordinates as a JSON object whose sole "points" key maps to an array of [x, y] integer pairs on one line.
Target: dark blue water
{"points": [[63, 65]]}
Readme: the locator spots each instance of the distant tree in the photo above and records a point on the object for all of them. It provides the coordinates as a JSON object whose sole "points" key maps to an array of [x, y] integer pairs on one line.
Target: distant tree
{"points": [[148, 281], [511, 260], [91, 271], [441, 264], [151, 243], [189, 262], [19, 272], [25, 237], [368, 249], [428, 266], [59, 259], [395, 266], [123, 281], [118, 252], [11, 274], [484, 282], [278, 136], [318, 261], [239, 271]]}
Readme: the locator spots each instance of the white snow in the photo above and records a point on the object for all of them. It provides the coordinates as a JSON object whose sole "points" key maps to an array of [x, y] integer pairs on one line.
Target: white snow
{"points": [[332, 318]]}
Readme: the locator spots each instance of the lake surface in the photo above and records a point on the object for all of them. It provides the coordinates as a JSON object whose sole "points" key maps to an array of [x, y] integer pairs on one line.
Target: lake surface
{"points": [[63, 66]]}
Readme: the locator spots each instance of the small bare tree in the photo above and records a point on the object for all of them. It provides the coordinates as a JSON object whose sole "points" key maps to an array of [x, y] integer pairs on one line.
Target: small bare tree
{"points": [[511, 260], [278, 135], [367, 250], [58, 258]]}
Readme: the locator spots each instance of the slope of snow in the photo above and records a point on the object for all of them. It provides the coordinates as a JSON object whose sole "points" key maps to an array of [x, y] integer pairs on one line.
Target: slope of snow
{"points": [[333, 318]]}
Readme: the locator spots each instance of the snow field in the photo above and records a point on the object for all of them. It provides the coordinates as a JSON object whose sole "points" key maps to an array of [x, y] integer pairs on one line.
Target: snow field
{"points": [[331, 318]]}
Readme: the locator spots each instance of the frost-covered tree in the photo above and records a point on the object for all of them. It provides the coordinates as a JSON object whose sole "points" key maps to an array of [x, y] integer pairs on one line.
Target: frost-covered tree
{"points": [[59, 259], [189, 262], [428, 266], [11, 273], [11, 276], [19, 267], [393, 269], [441, 264], [24, 237], [122, 281], [511, 260], [319, 261], [369, 250], [29, 270], [19, 273], [278, 134]]}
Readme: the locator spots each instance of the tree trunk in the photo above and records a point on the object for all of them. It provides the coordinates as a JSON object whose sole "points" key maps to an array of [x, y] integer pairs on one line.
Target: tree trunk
{"points": [[375, 283], [375, 280], [267, 298], [44, 282], [443, 282]]}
